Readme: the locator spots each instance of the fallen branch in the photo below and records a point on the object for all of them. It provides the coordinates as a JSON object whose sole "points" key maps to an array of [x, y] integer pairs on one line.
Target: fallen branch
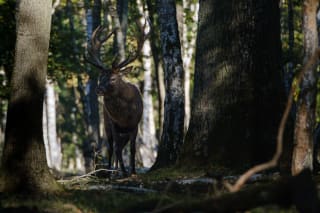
{"points": [[274, 161], [90, 174]]}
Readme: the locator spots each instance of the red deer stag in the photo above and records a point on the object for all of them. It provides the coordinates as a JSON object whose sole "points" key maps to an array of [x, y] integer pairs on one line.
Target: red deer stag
{"points": [[122, 100]]}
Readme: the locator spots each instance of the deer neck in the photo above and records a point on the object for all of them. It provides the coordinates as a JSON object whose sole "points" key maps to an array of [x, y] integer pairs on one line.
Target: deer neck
{"points": [[120, 92]]}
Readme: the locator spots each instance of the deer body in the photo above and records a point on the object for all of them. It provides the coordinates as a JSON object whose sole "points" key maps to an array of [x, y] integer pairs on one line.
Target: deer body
{"points": [[123, 109], [122, 100]]}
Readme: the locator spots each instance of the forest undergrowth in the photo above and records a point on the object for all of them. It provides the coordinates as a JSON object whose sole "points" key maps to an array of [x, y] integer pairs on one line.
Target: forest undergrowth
{"points": [[152, 192]]}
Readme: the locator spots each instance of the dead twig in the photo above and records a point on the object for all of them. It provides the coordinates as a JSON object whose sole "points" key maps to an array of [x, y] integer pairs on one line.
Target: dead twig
{"points": [[75, 179]]}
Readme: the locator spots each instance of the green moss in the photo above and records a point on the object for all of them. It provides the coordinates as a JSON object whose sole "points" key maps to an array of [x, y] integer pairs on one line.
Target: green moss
{"points": [[96, 201], [80, 201], [172, 173]]}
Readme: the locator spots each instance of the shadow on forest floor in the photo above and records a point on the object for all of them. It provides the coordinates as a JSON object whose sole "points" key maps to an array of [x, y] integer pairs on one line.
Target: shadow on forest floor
{"points": [[154, 191]]}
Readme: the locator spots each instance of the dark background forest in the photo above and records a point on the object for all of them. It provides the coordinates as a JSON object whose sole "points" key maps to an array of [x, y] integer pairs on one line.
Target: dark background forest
{"points": [[226, 86]]}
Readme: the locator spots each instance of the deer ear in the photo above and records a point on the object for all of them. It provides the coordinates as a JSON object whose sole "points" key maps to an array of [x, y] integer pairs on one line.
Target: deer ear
{"points": [[126, 70]]}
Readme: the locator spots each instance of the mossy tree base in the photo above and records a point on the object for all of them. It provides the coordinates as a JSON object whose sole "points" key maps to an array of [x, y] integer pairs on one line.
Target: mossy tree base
{"points": [[38, 183]]}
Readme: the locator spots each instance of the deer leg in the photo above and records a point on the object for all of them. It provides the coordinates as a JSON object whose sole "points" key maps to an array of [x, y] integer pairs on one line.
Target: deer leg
{"points": [[116, 157], [119, 143], [119, 157], [109, 130], [110, 151], [133, 137]]}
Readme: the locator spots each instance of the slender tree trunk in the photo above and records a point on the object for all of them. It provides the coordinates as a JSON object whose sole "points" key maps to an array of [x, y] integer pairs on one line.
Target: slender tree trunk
{"points": [[105, 10], [149, 140], [161, 94], [158, 65], [8, 25], [121, 22], [172, 135], [306, 105], [91, 98], [190, 9], [52, 144], [2, 125], [24, 167]]}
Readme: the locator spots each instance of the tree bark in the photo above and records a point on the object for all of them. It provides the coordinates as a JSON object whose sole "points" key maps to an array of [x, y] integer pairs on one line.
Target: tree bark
{"points": [[158, 65], [190, 9], [237, 99], [121, 22], [149, 140], [24, 167], [306, 104], [91, 99], [173, 127], [52, 143]]}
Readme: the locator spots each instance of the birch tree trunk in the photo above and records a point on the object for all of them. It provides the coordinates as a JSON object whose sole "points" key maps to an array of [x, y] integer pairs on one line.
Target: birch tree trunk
{"points": [[52, 144], [189, 29], [173, 127], [306, 105], [24, 167], [120, 19], [149, 140]]}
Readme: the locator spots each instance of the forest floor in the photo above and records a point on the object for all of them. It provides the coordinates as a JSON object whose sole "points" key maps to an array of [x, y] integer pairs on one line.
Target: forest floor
{"points": [[151, 192]]}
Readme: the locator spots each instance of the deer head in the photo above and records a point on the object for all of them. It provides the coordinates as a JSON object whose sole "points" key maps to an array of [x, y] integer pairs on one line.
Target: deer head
{"points": [[110, 78]]}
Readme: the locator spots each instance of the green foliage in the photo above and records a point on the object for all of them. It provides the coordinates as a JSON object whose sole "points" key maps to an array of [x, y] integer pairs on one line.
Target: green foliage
{"points": [[70, 121], [7, 38], [67, 41], [297, 54], [172, 173], [296, 57], [65, 66]]}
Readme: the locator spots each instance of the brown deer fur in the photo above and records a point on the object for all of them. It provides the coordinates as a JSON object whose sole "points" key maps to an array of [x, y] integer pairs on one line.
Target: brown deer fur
{"points": [[123, 104]]}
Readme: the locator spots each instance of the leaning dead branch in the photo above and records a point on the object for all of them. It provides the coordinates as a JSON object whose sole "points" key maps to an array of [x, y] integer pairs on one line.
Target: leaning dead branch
{"points": [[274, 161]]}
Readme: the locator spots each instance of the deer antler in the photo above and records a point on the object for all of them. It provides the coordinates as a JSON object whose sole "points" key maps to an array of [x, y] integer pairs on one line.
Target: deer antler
{"points": [[141, 39], [95, 45]]}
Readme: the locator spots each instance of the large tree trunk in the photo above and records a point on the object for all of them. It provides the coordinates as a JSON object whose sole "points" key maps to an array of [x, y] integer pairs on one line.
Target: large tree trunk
{"points": [[173, 127], [24, 167], [306, 105], [237, 95]]}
